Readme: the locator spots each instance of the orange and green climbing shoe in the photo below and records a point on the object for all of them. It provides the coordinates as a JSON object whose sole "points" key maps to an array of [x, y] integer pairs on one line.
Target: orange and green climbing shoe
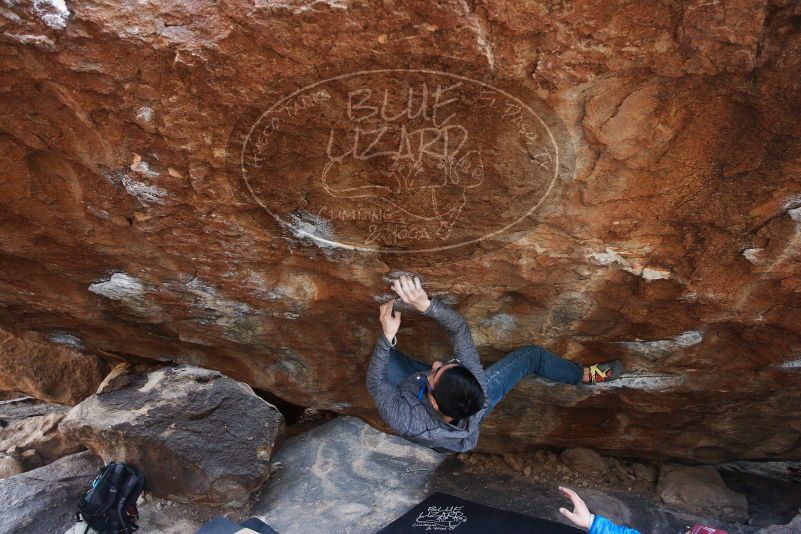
{"points": [[605, 372]]}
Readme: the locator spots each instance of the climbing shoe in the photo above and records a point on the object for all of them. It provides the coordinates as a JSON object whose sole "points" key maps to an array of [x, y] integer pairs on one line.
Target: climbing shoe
{"points": [[605, 372]]}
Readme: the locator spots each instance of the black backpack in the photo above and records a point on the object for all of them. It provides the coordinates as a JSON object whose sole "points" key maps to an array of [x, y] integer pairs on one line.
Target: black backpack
{"points": [[110, 506]]}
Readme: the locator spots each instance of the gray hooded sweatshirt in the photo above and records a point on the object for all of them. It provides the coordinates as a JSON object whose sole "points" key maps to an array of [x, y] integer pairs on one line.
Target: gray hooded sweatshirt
{"points": [[416, 420]]}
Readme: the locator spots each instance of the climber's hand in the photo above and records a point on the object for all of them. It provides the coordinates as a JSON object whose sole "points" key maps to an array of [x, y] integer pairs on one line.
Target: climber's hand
{"points": [[411, 292], [389, 322], [580, 516]]}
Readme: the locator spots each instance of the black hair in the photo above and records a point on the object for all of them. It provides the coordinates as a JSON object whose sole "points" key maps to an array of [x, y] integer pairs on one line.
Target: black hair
{"points": [[458, 393]]}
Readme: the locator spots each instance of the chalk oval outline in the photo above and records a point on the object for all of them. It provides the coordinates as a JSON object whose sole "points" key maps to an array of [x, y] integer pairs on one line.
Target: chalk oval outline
{"points": [[347, 246]]}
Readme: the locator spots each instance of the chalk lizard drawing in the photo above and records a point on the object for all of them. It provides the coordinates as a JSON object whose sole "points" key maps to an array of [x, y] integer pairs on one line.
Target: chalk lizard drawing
{"points": [[405, 150], [441, 518], [427, 171]]}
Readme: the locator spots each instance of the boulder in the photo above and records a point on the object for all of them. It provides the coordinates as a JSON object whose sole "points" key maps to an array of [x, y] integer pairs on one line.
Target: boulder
{"points": [[196, 435], [44, 501], [345, 476], [29, 431], [584, 460], [700, 490], [47, 371]]}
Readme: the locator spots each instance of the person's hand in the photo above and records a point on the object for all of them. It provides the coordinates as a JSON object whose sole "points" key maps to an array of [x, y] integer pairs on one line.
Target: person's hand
{"points": [[389, 322], [411, 292], [580, 516]]}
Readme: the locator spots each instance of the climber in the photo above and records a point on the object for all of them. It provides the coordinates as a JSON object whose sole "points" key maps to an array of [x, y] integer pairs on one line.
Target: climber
{"points": [[597, 524], [582, 518], [441, 406]]}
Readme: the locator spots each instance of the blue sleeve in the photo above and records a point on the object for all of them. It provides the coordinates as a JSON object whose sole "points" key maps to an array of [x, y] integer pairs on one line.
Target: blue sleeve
{"points": [[601, 525]]}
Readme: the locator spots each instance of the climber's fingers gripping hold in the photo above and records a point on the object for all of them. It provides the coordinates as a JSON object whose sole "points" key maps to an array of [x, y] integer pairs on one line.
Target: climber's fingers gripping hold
{"points": [[411, 292]]}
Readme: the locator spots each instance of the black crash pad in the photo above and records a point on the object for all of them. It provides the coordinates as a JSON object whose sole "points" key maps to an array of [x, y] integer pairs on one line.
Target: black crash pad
{"points": [[445, 513], [221, 525]]}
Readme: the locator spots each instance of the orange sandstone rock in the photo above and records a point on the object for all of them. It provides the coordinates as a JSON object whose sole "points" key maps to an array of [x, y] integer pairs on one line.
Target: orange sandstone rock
{"points": [[224, 185]]}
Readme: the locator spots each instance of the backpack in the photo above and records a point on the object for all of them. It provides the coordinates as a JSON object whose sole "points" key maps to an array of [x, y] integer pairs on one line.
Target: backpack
{"points": [[110, 506]]}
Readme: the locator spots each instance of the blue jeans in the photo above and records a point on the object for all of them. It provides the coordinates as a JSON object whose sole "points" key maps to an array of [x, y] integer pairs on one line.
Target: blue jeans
{"points": [[504, 374]]}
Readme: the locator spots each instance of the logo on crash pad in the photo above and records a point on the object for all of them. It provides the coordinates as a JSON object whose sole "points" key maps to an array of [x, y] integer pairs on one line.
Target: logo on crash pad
{"points": [[401, 160], [440, 518]]}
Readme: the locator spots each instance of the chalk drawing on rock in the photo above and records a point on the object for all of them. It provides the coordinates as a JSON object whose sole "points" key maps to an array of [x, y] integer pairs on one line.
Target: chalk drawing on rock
{"points": [[401, 160]]}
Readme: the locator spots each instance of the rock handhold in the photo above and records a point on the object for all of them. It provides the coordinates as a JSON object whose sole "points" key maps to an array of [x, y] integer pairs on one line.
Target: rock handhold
{"points": [[44, 500], [196, 435], [584, 460], [47, 371], [701, 490]]}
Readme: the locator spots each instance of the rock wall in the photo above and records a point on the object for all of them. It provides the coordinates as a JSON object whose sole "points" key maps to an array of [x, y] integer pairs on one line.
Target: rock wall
{"points": [[222, 184]]}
